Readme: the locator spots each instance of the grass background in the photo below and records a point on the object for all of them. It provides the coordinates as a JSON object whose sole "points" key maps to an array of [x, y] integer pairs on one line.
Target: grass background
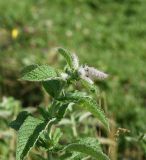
{"points": [[109, 35]]}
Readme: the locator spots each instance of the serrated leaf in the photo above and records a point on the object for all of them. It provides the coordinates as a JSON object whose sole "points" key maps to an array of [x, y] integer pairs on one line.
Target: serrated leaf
{"points": [[87, 103], [16, 124], [90, 105], [53, 87], [38, 73], [67, 56], [28, 135], [29, 68], [89, 146]]}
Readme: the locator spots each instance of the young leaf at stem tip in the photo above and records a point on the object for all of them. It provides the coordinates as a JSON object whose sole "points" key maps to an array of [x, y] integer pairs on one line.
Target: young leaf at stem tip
{"points": [[67, 56]]}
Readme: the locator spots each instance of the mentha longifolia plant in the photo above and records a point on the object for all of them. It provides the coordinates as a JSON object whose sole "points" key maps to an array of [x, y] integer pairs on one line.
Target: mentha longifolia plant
{"points": [[36, 132]]}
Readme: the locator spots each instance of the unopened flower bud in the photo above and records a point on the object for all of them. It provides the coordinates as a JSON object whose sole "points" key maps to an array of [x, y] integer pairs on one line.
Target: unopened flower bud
{"points": [[64, 76], [94, 73], [75, 61]]}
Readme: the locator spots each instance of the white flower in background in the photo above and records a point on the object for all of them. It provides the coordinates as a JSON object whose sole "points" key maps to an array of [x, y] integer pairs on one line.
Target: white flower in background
{"points": [[69, 33], [78, 25], [75, 61]]}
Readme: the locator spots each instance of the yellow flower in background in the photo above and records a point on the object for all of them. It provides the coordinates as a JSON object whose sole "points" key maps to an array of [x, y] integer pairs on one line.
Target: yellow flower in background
{"points": [[14, 33]]}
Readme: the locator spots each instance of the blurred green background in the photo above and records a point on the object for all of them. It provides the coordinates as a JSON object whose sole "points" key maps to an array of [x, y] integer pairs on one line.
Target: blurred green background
{"points": [[109, 35]]}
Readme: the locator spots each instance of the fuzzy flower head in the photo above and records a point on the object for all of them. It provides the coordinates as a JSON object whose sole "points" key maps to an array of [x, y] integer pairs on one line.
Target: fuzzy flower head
{"points": [[90, 74], [94, 74]]}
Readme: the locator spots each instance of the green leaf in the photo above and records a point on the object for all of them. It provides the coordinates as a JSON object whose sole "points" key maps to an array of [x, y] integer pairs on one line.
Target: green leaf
{"points": [[44, 112], [56, 136], [16, 124], [76, 156], [90, 105], [38, 73], [73, 96], [87, 103], [67, 56], [28, 135], [37, 156], [62, 110], [89, 146], [54, 87], [28, 69], [91, 87]]}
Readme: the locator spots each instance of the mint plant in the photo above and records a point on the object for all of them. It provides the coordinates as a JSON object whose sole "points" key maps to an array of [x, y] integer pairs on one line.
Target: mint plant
{"points": [[60, 85]]}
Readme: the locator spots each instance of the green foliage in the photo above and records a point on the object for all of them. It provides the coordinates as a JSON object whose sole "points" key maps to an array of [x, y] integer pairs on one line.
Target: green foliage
{"points": [[90, 87], [73, 96], [62, 110], [28, 135], [33, 131], [89, 146], [56, 136], [9, 108], [76, 156], [16, 124], [112, 42], [38, 73], [87, 103], [91, 106], [67, 56], [54, 87]]}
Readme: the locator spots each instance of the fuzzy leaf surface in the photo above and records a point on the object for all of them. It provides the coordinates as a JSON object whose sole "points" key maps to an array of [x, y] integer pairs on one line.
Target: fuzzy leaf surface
{"points": [[53, 87], [28, 135], [67, 56], [76, 156], [61, 111], [90, 105], [16, 124], [89, 146], [38, 73]]}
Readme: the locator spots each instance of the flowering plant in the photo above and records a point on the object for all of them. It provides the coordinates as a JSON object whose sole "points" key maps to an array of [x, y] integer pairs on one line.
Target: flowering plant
{"points": [[37, 132]]}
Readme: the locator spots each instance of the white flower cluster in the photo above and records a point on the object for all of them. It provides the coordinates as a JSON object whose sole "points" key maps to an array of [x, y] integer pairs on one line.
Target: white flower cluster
{"points": [[89, 74]]}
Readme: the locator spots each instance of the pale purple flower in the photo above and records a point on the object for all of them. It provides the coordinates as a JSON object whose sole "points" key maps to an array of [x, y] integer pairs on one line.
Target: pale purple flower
{"points": [[81, 71], [90, 74], [93, 73], [82, 74]]}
